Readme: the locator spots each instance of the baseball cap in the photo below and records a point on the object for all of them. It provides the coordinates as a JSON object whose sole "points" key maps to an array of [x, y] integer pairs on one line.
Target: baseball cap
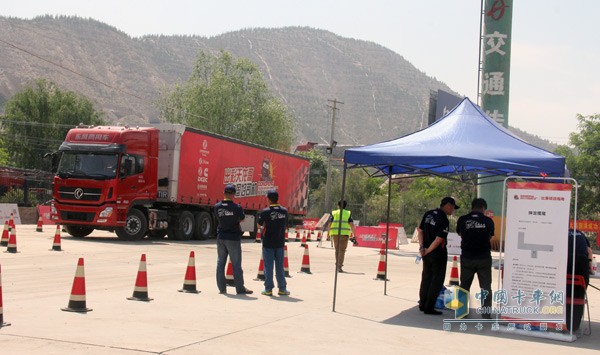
{"points": [[229, 189], [272, 193], [449, 200]]}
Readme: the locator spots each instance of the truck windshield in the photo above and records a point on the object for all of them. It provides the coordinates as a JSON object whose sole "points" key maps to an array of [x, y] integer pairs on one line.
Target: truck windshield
{"points": [[88, 165]]}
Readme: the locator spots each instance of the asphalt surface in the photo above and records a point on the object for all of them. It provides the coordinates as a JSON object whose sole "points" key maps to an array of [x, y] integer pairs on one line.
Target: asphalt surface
{"points": [[36, 284]]}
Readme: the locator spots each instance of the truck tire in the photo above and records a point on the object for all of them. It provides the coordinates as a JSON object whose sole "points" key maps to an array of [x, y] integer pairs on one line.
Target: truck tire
{"points": [[183, 228], [205, 226], [79, 231], [135, 227]]}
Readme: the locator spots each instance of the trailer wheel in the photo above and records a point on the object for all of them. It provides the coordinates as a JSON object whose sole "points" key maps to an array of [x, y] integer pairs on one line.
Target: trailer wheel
{"points": [[205, 226], [135, 227], [79, 231], [183, 228]]}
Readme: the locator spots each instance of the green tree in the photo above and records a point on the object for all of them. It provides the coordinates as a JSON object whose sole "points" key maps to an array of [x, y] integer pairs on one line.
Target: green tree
{"points": [[230, 97], [37, 119], [318, 168], [583, 162]]}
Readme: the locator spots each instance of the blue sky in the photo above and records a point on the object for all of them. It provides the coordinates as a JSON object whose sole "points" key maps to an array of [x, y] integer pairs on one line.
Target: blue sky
{"points": [[555, 48]]}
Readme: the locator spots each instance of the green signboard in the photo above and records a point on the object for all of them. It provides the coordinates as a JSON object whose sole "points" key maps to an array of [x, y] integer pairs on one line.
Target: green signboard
{"points": [[495, 78]]}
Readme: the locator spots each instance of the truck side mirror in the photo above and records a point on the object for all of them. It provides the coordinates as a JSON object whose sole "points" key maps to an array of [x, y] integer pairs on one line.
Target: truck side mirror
{"points": [[54, 160]]}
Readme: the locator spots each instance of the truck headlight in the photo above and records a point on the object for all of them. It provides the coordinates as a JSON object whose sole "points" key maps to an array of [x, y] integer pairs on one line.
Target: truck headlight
{"points": [[107, 212]]}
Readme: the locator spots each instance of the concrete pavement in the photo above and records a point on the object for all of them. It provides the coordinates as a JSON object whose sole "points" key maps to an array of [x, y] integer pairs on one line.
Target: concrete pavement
{"points": [[36, 283]]}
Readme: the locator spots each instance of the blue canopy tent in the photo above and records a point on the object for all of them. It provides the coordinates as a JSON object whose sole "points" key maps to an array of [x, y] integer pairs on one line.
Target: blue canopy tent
{"points": [[464, 144]]}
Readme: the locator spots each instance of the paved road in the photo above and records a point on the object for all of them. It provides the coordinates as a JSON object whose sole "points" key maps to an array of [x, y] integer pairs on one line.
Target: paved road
{"points": [[36, 284]]}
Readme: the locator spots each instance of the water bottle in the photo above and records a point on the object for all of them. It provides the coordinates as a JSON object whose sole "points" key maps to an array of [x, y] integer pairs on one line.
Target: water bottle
{"points": [[418, 259]]}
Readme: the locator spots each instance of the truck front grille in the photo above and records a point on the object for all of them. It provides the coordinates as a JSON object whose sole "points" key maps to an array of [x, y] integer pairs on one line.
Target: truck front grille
{"points": [[79, 193]]}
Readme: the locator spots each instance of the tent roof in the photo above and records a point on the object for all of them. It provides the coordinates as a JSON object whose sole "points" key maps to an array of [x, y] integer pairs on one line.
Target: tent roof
{"points": [[465, 141]]}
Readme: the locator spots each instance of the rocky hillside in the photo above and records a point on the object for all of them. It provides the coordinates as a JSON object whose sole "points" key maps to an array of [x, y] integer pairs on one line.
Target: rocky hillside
{"points": [[384, 96]]}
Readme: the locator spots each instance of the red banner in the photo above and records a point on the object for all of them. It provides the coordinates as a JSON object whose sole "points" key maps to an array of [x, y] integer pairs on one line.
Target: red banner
{"points": [[588, 226], [372, 237], [309, 223], [44, 212]]}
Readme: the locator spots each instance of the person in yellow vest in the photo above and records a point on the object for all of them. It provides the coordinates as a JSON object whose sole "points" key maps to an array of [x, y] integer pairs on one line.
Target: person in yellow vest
{"points": [[341, 226]]}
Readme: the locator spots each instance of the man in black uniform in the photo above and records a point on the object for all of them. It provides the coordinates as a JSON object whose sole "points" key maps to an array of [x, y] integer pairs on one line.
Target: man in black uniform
{"points": [[229, 241], [433, 233], [476, 230], [583, 261], [274, 219]]}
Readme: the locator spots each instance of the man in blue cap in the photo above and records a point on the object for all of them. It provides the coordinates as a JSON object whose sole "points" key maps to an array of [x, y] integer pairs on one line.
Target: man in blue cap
{"points": [[274, 219], [229, 241]]}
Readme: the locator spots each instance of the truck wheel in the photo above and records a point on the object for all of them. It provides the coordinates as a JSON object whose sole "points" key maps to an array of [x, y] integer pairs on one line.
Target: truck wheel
{"points": [[135, 227], [205, 226], [183, 228], [157, 234], [79, 231]]}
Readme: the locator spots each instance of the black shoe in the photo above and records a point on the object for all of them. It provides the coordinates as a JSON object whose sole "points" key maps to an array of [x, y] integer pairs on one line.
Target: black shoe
{"points": [[222, 292], [246, 292], [340, 270], [421, 309], [433, 311]]}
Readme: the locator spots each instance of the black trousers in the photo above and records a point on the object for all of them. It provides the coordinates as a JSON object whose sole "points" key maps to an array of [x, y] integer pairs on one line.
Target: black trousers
{"points": [[432, 279], [581, 268], [483, 269]]}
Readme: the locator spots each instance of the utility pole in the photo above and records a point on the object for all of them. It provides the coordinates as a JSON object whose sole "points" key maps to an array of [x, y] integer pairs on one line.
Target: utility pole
{"points": [[329, 150]]}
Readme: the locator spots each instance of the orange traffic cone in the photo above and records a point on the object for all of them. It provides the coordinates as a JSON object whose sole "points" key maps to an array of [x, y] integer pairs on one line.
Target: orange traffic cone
{"points": [[229, 275], [11, 222], [189, 280], [297, 236], [77, 299], [2, 323], [261, 270], [258, 236], [381, 268], [5, 232], [39, 225], [286, 265], [303, 243], [309, 236], [140, 291], [319, 236], [56, 243], [454, 280], [12, 242], [287, 234], [382, 250], [305, 261]]}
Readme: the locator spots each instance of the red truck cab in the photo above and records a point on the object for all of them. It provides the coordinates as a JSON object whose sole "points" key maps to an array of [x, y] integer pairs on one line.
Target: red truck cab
{"points": [[103, 174]]}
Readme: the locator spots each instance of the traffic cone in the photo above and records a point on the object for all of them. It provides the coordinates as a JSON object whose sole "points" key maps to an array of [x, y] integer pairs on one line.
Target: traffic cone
{"points": [[189, 280], [39, 225], [382, 250], [286, 265], [11, 222], [229, 275], [287, 234], [454, 280], [319, 236], [77, 299], [309, 236], [305, 262], [12, 242], [261, 270], [140, 291], [2, 323], [303, 243], [258, 236], [5, 232], [381, 268], [297, 236], [56, 243]]}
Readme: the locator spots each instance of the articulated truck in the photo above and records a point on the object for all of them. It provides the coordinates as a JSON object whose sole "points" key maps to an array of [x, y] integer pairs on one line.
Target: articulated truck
{"points": [[165, 180]]}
